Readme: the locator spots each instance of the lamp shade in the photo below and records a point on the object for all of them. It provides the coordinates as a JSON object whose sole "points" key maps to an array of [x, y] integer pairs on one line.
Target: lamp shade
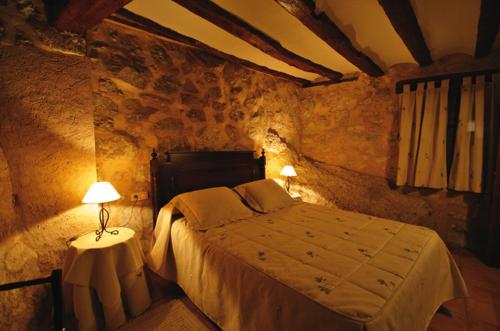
{"points": [[288, 171], [101, 192]]}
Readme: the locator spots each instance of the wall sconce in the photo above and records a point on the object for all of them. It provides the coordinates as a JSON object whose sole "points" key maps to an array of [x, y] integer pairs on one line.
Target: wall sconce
{"points": [[100, 193], [288, 171]]}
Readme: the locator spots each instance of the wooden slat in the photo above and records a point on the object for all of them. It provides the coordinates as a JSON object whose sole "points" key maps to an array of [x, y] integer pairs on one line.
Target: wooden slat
{"points": [[138, 22], [451, 76], [487, 28], [80, 15], [330, 33], [404, 21], [241, 29]]}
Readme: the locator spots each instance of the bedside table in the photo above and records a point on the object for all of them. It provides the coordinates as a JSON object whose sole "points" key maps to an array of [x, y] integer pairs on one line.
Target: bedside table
{"points": [[105, 275]]}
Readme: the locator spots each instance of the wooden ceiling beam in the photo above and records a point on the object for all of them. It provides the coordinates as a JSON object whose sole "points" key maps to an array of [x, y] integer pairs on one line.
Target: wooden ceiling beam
{"points": [[487, 27], [404, 21], [80, 15], [330, 33], [241, 29], [131, 20]]}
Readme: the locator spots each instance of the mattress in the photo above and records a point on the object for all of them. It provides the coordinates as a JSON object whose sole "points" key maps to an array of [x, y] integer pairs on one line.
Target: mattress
{"points": [[309, 267]]}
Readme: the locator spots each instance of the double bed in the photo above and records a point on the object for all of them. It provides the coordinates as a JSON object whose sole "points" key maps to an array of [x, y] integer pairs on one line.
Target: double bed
{"points": [[297, 267]]}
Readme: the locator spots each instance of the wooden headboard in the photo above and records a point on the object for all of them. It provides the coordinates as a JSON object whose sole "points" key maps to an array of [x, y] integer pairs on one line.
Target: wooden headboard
{"points": [[181, 172]]}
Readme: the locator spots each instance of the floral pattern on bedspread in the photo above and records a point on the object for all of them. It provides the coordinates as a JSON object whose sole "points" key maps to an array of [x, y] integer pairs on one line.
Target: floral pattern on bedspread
{"points": [[349, 262]]}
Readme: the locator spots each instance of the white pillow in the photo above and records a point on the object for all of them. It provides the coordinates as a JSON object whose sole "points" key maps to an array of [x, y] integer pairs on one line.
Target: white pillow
{"points": [[264, 195], [211, 207]]}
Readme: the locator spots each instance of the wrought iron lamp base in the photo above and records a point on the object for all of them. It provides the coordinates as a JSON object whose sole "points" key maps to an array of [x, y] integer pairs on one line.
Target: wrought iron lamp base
{"points": [[103, 220], [287, 184]]}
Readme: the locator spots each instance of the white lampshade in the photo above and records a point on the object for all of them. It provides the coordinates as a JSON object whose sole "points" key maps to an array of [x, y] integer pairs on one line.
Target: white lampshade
{"points": [[101, 192], [288, 171]]}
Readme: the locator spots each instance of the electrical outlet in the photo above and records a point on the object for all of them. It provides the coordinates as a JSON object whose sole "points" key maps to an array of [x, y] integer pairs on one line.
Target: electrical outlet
{"points": [[138, 196]]}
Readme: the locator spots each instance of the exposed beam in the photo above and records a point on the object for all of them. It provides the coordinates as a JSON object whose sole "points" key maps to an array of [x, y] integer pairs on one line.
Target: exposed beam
{"points": [[405, 23], [330, 33], [487, 27], [131, 20], [227, 21], [80, 15]]}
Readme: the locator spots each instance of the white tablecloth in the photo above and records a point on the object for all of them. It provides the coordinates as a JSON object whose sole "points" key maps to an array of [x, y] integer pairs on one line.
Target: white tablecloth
{"points": [[109, 270]]}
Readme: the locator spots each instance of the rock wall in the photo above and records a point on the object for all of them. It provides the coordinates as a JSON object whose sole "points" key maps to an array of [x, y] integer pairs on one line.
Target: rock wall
{"points": [[153, 93], [74, 109], [47, 159], [7, 212], [349, 149], [47, 138]]}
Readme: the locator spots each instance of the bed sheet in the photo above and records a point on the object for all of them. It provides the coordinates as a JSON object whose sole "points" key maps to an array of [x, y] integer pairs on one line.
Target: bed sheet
{"points": [[310, 267]]}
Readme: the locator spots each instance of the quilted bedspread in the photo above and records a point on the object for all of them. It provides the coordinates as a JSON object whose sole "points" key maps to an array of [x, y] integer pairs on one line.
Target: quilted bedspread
{"points": [[310, 267]]}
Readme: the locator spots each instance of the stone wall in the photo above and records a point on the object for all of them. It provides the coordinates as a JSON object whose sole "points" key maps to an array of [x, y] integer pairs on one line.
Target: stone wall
{"points": [[74, 109], [153, 93], [47, 140], [47, 158], [349, 149]]}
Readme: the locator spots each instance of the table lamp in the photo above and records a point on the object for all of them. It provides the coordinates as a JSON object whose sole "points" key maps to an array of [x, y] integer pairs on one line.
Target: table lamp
{"points": [[101, 192], [288, 171]]}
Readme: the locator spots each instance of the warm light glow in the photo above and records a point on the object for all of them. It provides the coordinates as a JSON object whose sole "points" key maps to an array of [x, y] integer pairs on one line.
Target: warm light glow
{"points": [[288, 171], [101, 192]]}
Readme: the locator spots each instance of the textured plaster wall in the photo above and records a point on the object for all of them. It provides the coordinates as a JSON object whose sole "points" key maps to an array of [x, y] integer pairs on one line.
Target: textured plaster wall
{"points": [[47, 158], [48, 141]]}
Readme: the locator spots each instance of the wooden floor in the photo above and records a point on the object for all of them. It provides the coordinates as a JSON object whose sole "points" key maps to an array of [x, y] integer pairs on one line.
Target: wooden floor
{"points": [[479, 312]]}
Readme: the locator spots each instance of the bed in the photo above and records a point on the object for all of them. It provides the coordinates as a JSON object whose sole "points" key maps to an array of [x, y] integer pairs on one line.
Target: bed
{"points": [[303, 267]]}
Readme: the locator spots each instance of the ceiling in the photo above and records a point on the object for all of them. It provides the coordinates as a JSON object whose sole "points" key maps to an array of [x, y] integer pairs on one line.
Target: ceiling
{"points": [[448, 27]]}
